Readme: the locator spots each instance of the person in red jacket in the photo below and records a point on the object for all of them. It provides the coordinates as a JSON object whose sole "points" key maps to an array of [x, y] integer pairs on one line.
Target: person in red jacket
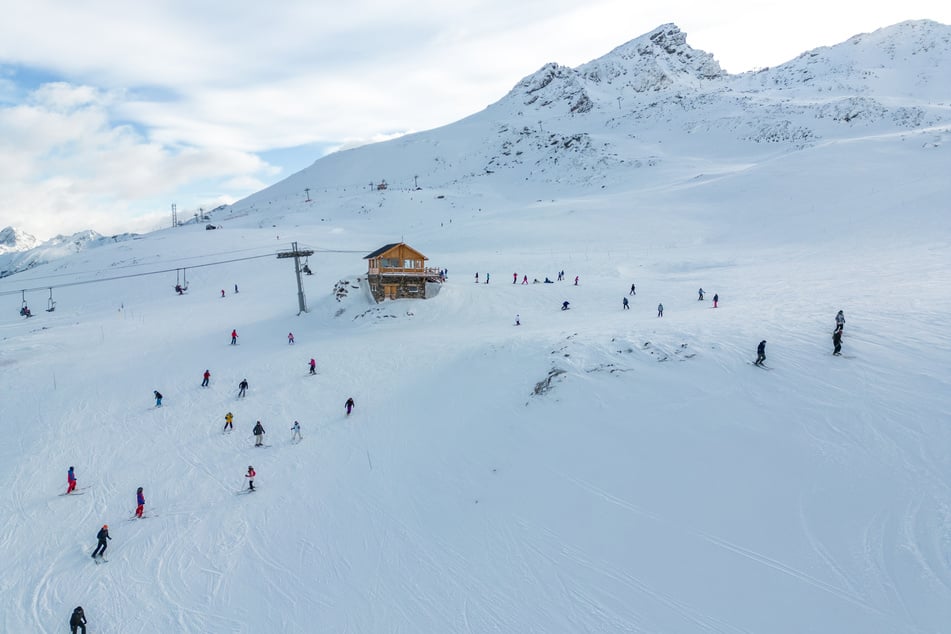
{"points": [[205, 377], [234, 337], [250, 476], [140, 501]]}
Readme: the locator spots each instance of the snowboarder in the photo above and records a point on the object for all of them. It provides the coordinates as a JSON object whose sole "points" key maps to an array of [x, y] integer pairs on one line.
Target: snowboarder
{"points": [[700, 295], [518, 321], [250, 476], [70, 481], [576, 280], [564, 305], [158, 398], [760, 353], [313, 366], [716, 298], [140, 502], [234, 337], [839, 321], [258, 434], [290, 339], [633, 292], [229, 418], [837, 341], [102, 536], [242, 388], [77, 622], [296, 429], [204, 378], [625, 304], [660, 310], [524, 279], [349, 405]]}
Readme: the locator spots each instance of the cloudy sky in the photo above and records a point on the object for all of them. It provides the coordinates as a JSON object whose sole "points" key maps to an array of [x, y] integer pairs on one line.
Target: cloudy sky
{"points": [[111, 111]]}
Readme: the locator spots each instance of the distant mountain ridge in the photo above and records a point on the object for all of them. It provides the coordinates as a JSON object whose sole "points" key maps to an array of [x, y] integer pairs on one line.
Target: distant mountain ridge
{"points": [[23, 253]]}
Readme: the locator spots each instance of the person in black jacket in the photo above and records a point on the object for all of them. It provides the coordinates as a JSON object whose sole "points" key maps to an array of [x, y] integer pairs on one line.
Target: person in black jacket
{"points": [[837, 342], [102, 536], [258, 434], [77, 622], [760, 353]]}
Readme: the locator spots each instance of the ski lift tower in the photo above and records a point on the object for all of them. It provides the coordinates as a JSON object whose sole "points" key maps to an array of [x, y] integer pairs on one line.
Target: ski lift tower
{"points": [[297, 254]]}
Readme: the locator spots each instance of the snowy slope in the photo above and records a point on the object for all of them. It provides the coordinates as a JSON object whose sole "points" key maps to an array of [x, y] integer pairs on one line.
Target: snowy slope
{"points": [[656, 483]]}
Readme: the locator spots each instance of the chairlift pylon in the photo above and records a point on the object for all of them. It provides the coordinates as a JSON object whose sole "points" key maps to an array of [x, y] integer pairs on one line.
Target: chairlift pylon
{"points": [[50, 305]]}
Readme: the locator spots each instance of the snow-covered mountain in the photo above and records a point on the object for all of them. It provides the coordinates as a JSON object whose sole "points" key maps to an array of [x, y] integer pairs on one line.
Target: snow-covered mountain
{"points": [[13, 240], [596, 469], [25, 253]]}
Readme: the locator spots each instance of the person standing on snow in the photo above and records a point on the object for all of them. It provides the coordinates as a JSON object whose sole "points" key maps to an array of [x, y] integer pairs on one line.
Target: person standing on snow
{"points": [[140, 502], [313, 366], [290, 339], [102, 536], [349, 405], [222, 292], [524, 279], [633, 292], [158, 398], [716, 298], [660, 310], [229, 418], [234, 337], [204, 378], [514, 277], [242, 388], [486, 278], [839, 321], [258, 432], [70, 481], [624, 304], [700, 295], [760, 353], [250, 476], [296, 435], [77, 621], [837, 342], [576, 280]]}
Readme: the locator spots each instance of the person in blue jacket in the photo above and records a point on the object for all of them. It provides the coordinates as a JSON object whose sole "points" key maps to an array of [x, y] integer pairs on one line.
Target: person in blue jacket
{"points": [[140, 502]]}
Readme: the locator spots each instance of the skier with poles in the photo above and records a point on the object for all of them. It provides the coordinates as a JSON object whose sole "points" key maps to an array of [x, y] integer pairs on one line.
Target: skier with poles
{"points": [[102, 536]]}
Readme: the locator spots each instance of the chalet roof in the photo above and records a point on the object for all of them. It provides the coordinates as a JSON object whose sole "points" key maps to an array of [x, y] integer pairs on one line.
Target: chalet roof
{"points": [[392, 246], [382, 250]]}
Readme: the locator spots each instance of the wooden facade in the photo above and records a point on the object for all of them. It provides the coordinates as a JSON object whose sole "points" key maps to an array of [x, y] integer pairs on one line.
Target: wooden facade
{"points": [[398, 271]]}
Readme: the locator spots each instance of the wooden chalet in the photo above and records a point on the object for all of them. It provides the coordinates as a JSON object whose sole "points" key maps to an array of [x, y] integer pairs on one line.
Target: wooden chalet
{"points": [[398, 271]]}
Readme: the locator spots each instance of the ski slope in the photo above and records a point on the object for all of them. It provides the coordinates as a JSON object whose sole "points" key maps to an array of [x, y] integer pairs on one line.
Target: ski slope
{"points": [[590, 470]]}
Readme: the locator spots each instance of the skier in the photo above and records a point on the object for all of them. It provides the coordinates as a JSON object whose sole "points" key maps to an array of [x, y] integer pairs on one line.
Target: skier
{"points": [[840, 321], [70, 481], [222, 292], [716, 298], [760, 353], [524, 279], [349, 405], [660, 310], [700, 295], [313, 366], [290, 338], [229, 418], [242, 388], [633, 292], [102, 536], [250, 476], [576, 280], [514, 278], [518, 322], [258, 434], [477, 278], [235, 288], [564, 305], [234, 337], [77, 622], [486, 278], [204, 378], [296, 429], [837, 341], [158, 398], [625, 304], [140, 502]]}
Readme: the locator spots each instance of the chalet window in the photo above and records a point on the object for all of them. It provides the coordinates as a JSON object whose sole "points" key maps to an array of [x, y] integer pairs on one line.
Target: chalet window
{"points": [[412, 289]]}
